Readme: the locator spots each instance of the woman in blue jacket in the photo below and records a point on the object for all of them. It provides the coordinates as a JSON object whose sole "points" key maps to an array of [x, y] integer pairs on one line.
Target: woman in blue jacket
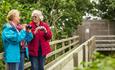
{"points": [[11, 37]]}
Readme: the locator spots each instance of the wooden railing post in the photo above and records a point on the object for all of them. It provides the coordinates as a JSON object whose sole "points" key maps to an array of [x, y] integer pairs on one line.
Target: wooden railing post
{"points": [[75, 59], [69, 43], [55, 46], [74, 40], [84, 53], [63, 45]]}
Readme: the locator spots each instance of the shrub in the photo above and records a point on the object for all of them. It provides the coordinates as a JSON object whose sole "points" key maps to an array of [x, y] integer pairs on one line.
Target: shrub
{"points": [[100, 62]]}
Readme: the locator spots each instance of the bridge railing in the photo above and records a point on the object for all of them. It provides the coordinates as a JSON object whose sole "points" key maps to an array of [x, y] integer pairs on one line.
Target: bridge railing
{"points": [[82, 53], [60, 48]]}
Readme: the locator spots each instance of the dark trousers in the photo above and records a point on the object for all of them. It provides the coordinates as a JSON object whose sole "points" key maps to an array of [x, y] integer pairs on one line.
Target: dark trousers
{"points": [[37, 63], [21, 65], [12, 66]]}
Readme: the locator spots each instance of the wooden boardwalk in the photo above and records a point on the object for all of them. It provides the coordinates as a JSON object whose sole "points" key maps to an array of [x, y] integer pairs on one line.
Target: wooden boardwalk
{"points": [[71, 54], [74, 58], [69, 66]]}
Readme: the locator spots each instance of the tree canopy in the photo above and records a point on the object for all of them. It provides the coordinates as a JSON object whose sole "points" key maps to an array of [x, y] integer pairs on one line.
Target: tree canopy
{"points": [[62, 15], [105, 9]]}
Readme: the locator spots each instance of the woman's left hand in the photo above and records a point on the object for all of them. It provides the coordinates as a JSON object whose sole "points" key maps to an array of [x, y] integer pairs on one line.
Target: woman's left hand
{"points": [[43, 29]]}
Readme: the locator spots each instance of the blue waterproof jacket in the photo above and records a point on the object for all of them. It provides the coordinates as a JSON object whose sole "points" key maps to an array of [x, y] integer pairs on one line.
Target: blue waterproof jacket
{"points": [[11, 42]]}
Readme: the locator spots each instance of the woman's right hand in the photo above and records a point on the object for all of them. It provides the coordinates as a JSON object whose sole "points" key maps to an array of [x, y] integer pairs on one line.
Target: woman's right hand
{"points": [[19, 27], [36, 30], [42, 28]]}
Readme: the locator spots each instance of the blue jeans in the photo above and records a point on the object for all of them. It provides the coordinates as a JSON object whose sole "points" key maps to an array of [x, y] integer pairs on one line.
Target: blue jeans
{"points": [[21, 65], [12, 66], [37, 62]]}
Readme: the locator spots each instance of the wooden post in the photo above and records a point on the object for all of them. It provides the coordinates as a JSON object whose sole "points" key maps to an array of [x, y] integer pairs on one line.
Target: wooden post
{"points": [[88, 52], [74, 41], [75, 59], [55, 49], [63, 45], [84, 53], [70, 43]]}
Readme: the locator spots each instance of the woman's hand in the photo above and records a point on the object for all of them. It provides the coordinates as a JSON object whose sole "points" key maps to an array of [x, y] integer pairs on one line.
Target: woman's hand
{"points": [[19, 27], [42, 28]]}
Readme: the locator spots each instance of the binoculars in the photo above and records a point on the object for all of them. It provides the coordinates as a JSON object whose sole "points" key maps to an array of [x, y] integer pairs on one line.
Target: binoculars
{"points": [[28, 26]]}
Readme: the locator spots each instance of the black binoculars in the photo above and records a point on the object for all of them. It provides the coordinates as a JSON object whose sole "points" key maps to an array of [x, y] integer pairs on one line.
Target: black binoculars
{"points": [[28, 26]]}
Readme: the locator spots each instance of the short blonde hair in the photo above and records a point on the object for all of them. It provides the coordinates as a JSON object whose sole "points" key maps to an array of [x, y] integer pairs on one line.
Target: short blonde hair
{"points": [[38, 13], [12, 14]]}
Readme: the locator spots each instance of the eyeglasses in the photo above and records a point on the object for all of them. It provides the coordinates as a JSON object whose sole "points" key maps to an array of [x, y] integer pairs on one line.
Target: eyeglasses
{"points": [[34, 16]]}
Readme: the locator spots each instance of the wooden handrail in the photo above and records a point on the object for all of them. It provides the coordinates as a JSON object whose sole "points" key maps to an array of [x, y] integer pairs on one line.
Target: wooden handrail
{"points": [[56, 51], [76, 41], [79, 54], [61, 49], [63, 40]]}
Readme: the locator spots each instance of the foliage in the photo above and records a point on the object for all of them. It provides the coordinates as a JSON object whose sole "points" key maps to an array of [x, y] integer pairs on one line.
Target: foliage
{"points": [[100, 62], [2, 67], [63, 15], [105, 9]]}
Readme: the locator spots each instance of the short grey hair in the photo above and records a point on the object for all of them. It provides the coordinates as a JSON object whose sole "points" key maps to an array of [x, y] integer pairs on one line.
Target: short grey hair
{"points": [[38, 13]]}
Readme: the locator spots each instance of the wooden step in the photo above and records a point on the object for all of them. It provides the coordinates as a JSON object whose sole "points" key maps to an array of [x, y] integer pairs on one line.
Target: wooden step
{"points": [[105, 45], [105, 49], [105, 36], [105, 40]]}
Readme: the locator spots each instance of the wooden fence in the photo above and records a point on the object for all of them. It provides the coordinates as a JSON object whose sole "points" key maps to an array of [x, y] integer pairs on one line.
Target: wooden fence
{"points": [[80, 54], [60, 48]]}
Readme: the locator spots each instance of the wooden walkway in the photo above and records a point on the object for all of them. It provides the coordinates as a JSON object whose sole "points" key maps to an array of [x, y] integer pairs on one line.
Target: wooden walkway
{"points": [[68, 54], [75, 57]]}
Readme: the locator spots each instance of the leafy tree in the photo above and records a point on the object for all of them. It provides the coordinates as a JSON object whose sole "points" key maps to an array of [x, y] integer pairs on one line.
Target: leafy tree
{"points": [[63, 15], [105, 9]]}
